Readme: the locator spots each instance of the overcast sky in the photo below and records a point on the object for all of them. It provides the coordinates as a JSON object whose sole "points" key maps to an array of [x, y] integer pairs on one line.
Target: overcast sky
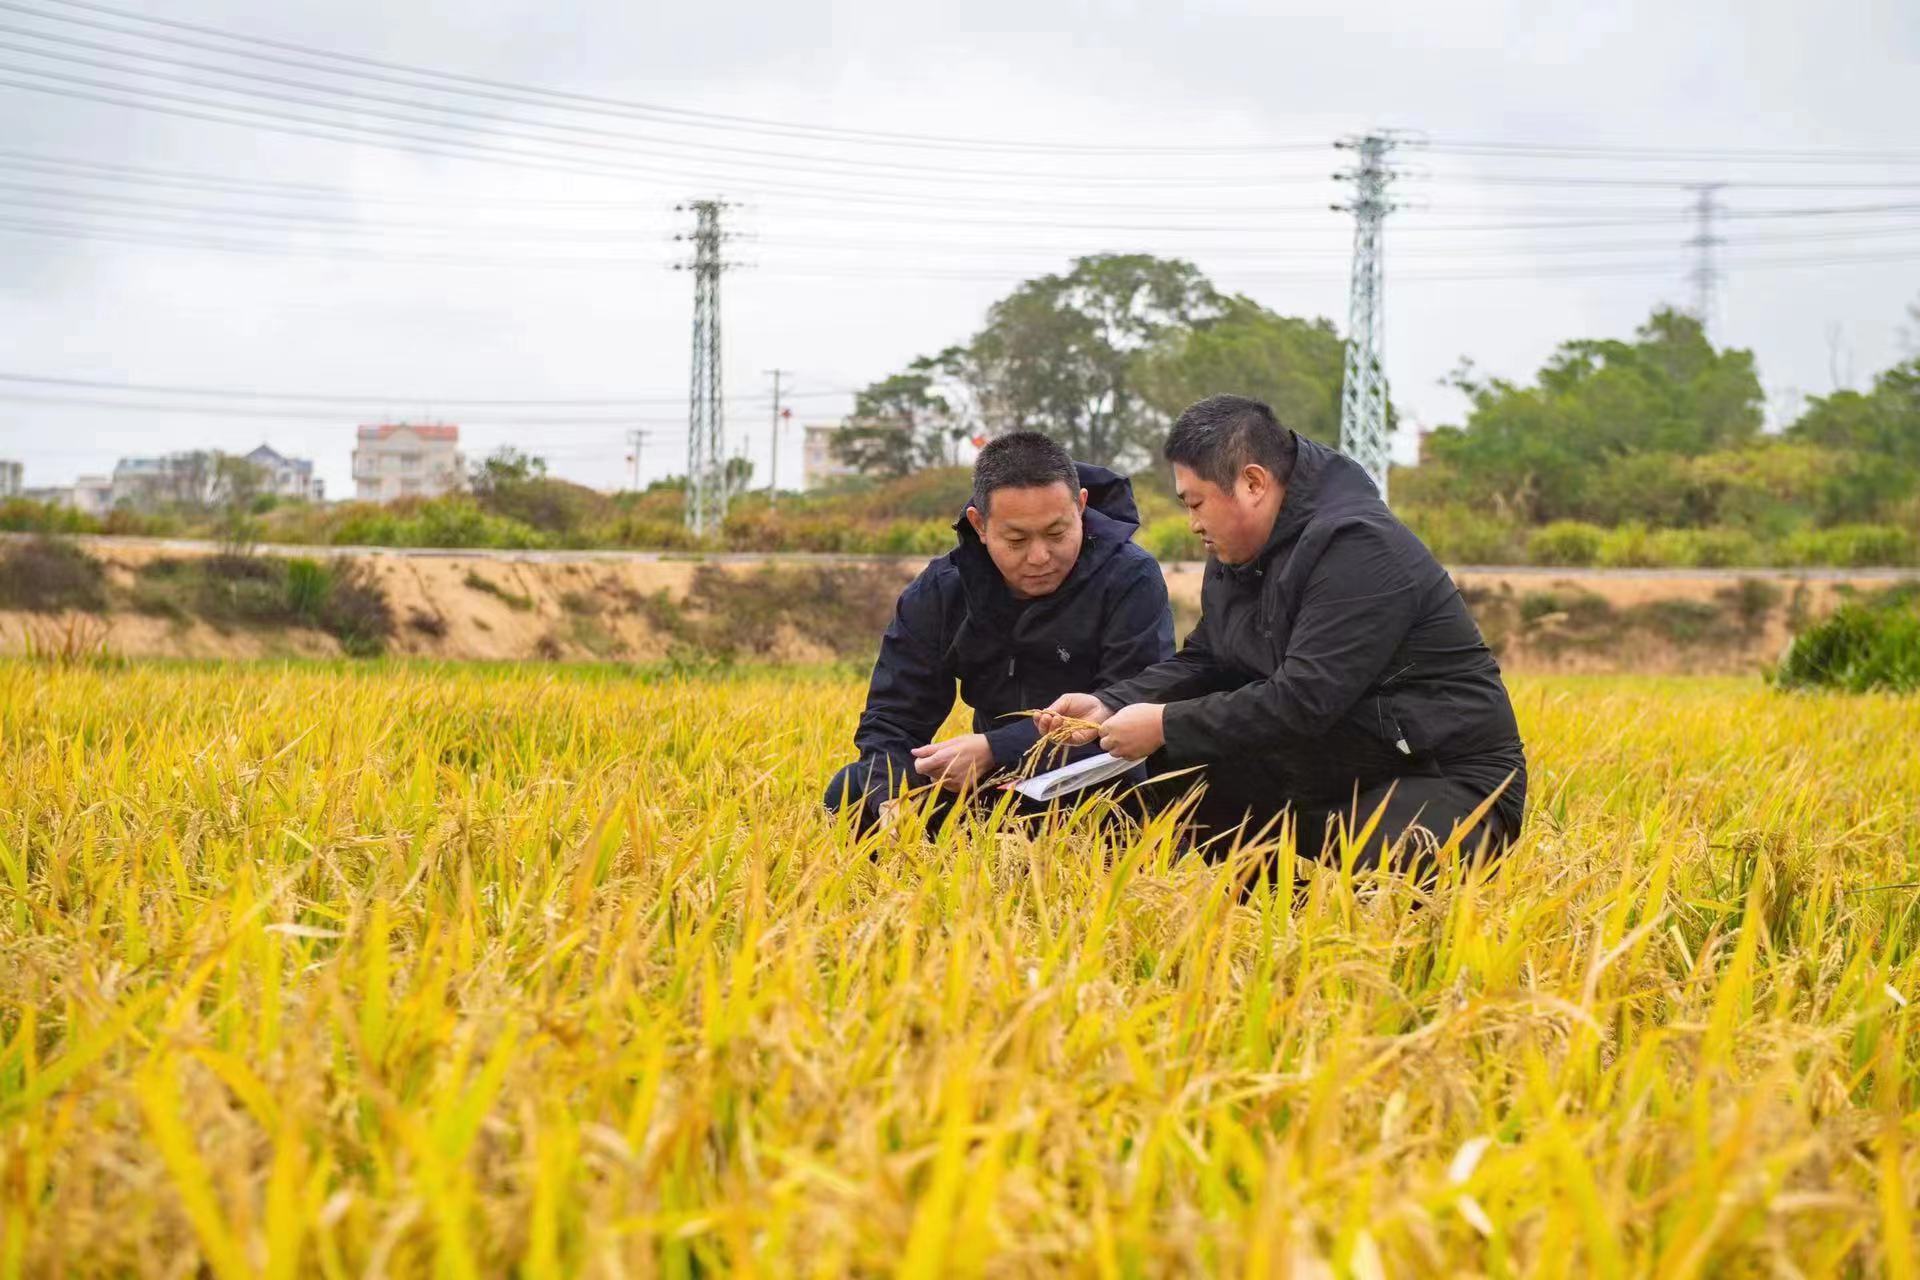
{"points": [[492, 245]]}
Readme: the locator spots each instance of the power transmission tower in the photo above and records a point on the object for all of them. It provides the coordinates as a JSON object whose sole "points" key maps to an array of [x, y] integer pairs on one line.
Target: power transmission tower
{"points": [[1706, 271], [773, 447], [706, 406], [1363, 389]]}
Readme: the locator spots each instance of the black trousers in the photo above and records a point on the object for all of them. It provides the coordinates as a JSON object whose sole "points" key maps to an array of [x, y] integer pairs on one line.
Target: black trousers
{"points": [[1418, 813]]}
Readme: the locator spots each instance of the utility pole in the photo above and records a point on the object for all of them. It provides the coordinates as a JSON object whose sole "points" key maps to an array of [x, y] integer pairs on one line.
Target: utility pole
{"points": [[706, 408], [1363, 389], [1706, 271], [773, 449], [636, 440]]}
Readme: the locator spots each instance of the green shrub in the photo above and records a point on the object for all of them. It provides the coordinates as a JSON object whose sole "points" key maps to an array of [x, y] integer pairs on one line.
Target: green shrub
{"points": [[47, 575], [1859, 647], [1459, 534], [1565, 542], [356, 612], [308, 583], [917, 537], [23, 515], [1628, 547], [1704, 548], [1850, 546], [1171, 538]]}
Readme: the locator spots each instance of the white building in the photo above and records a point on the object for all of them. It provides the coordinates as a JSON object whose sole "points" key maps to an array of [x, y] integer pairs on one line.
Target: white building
{"points": [[818, 465], [12, 478], [288, 477], [92, 495], [406, 460]]}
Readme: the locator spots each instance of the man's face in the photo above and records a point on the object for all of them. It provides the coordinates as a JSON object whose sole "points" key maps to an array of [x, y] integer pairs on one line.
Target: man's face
{"points": [[1033, 535], [1234, 522]]}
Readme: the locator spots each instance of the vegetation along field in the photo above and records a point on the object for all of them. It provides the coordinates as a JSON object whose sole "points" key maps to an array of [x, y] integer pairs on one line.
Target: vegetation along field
{"points": [[311, 969]]}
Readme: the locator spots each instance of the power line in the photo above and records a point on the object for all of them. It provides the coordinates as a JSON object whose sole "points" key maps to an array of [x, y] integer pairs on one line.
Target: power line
{"points": [[652, 145], [457, 82], [161, 213], [242, 115], [383, 397], [1640, 153]]}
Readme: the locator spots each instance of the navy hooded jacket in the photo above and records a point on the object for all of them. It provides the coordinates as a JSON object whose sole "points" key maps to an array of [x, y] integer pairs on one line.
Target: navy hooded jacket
{"points": [[1108, 620]]}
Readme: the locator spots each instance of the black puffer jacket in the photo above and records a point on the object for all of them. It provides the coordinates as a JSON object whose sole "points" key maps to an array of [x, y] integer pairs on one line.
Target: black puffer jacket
{"points": [[1342, 654], [958, 621]]}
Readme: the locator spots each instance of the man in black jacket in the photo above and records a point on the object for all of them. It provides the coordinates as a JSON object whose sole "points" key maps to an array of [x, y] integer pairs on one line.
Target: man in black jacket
{"points": [[1335, 670], [1045, 592]]}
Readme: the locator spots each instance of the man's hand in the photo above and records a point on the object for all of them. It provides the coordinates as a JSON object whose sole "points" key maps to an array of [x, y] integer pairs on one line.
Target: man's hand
{"points": [[1074, 706], [1134, 732], [957, 763]]}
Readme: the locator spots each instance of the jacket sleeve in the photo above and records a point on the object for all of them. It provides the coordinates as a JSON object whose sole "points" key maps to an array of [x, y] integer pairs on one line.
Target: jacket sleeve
{"points": [[912, 688], [1357, 606], [1186, 674], [1136, 632]]}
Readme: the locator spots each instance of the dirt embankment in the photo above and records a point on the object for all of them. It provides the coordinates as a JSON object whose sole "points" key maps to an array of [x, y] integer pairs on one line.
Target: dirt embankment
{"points": [[643, 608]]}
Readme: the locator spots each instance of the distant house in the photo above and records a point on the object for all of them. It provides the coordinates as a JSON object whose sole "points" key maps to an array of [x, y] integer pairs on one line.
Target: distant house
{"points": [[12, 478], [288, 477], [818, 463], [92, 495], [406, 460]]}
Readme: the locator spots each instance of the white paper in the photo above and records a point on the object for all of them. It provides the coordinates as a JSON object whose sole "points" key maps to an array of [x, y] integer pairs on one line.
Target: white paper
{"points": [[1077, 776]]}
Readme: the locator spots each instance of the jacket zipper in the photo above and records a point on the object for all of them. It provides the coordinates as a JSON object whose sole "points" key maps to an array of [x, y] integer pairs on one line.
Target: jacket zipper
{"points": [[1399, 735]]}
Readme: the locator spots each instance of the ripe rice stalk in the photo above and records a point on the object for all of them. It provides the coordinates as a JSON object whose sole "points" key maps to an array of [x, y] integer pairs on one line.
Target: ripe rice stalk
{"points": [[415, 969]]}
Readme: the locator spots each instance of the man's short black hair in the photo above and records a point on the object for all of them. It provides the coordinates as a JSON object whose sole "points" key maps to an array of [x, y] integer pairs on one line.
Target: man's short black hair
{"points": [[1218, 436], [1021, 460]]}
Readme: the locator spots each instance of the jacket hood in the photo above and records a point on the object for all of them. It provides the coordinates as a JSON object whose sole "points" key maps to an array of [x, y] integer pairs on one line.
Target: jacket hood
{"points": [[1109, 522], [1108, 493]]}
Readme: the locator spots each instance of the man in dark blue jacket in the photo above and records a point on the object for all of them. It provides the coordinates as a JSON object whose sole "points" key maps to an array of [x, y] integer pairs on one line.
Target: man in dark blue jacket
{"points": [[1045, 593], [1335, 670]]}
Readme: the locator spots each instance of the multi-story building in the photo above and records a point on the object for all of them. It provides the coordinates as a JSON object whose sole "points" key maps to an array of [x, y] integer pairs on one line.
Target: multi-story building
{"points": [[406, 460], [12, 478], [288, 477]]}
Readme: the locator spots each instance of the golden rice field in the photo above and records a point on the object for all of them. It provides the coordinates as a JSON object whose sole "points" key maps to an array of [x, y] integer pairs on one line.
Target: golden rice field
{"points": [[405, 970]]}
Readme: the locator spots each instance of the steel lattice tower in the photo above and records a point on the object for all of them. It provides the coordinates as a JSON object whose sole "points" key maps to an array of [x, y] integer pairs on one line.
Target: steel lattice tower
{"points": [[1363, 389], [706, 404], [1705, 275]]}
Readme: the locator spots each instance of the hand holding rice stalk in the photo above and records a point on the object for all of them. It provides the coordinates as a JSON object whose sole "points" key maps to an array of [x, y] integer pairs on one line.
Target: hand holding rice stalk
{"points": [[1053, 743]]}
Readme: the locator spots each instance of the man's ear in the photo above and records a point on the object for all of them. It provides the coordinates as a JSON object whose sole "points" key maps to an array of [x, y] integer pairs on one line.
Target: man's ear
{"points": [[1083, 500], [978, 521], [1257, 479]]}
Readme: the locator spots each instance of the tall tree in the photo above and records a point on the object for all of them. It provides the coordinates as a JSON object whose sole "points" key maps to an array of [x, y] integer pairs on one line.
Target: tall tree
{"points": [[1533, 448], [1058, 354], [1293, 364], [898, 423], [1883, 421]]}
